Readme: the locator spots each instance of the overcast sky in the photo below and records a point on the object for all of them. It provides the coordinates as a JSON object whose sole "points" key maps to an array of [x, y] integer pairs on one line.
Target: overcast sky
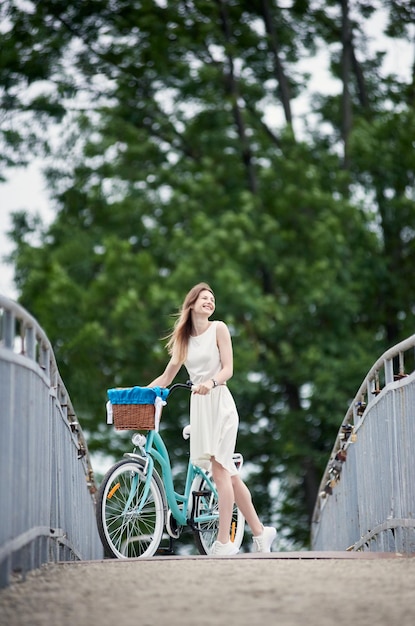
{"points": [[25, 190]]}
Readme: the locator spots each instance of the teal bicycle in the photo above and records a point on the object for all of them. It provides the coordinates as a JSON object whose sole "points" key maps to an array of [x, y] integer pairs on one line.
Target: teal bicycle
{"points": [[138, 505]]}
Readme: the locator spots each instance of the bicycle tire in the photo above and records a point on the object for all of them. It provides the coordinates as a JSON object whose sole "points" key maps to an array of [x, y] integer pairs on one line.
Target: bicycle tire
{"points": [[205, 533], [124, 532]]}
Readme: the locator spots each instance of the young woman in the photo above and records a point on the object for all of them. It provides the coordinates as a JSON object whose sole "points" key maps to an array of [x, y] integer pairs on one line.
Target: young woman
{"points": [[205, 348]]}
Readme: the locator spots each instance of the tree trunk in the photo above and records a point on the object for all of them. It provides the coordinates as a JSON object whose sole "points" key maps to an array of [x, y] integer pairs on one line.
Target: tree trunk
{"points": [[284, 87], [346, 62], [232, 88]]}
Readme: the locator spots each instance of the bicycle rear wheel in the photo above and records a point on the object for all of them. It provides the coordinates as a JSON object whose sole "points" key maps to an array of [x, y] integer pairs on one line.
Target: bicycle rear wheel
{"points": [[130, 523], [206, 517]]}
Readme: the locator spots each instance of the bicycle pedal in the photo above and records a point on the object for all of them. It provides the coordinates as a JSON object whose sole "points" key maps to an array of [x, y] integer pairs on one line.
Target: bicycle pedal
{"points": [[165, 552], [199, 494]]}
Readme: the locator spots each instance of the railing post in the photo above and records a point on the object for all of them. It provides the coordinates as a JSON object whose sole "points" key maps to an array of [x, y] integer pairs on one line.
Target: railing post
{"points": [[30, 342], [388, 371], [8, 328]]}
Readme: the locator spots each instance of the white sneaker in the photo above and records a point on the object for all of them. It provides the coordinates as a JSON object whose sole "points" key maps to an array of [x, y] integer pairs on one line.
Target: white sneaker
{"points": [[223, 549], [263, 542]]}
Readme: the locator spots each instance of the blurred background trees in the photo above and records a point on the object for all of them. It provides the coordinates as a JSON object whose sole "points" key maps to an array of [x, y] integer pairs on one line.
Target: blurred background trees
{"points": [[183, 143]]}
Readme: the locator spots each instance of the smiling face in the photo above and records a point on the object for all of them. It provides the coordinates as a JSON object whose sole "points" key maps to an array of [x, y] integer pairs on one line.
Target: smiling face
{"points": [[205, 303]]}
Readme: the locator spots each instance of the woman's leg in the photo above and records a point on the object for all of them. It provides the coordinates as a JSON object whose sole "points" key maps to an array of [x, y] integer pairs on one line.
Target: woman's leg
{"points": [[244, 503], [223, 482], [232, 489], [263, 536]]}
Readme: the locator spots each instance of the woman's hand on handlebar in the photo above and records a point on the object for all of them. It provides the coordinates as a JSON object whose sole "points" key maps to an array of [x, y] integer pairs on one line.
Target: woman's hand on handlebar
{"points": [[203, 388]]}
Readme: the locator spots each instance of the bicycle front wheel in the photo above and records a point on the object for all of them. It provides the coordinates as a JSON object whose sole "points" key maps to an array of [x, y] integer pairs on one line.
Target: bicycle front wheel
{"points": [[130, 517], [206, 517]]}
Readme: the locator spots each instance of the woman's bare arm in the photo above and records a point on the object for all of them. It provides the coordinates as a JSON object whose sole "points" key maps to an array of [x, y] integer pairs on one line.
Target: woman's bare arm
{"points": [[166, 378]]}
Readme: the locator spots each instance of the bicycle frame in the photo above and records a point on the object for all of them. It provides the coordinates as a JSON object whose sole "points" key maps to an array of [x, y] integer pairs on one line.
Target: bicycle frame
{"points": [[155, 450]]}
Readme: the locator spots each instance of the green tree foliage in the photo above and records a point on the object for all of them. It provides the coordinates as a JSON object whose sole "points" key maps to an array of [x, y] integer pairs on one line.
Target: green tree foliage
{"points": [[180, 160]]}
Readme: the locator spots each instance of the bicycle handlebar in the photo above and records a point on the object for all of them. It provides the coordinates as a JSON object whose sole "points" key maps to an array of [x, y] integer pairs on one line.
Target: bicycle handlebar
{"points": [[187, 385]]}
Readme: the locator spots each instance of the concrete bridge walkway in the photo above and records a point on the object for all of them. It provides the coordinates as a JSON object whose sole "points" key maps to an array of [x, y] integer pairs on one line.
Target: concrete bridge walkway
{"points": [[285, 589]]}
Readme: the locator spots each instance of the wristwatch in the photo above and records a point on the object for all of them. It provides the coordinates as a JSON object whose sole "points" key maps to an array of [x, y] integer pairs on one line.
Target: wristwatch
{"points": [[215, 382]]}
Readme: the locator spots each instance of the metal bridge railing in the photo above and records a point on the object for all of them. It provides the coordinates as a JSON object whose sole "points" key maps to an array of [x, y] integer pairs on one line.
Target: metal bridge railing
{"points": [[366, 499], [47, 484]]}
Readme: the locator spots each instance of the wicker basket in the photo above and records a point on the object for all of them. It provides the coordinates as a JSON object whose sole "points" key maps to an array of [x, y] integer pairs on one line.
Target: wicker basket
{"points": [[133, 416]]}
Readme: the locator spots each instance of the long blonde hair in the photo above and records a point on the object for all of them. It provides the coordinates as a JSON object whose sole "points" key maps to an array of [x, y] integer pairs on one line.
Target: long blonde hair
{"points": [[179, 338]]}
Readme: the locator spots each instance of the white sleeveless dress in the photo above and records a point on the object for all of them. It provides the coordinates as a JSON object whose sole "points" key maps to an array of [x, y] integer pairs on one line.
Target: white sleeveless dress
{"points": [[213, 418]]}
